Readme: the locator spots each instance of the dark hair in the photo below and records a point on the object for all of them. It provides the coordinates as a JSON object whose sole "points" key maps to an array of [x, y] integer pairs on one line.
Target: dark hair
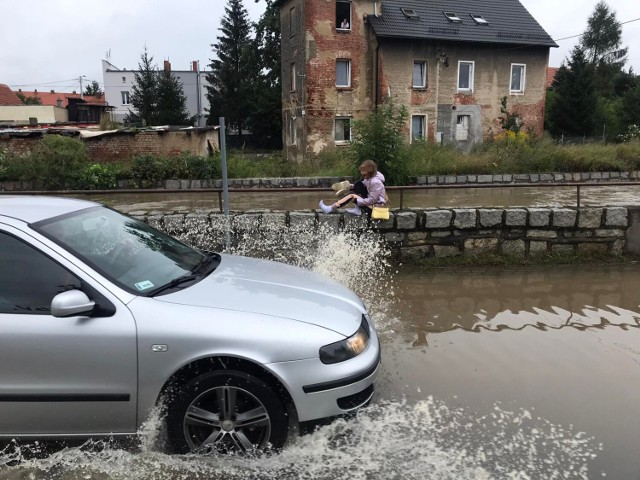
{"points": [[370, 167]]}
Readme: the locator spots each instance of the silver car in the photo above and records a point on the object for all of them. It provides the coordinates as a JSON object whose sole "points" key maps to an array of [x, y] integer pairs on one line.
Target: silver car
{"points": [[103, 318]]}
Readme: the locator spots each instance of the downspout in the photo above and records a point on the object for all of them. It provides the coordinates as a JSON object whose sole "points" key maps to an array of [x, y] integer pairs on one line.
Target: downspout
{"points": [[377, 95]]}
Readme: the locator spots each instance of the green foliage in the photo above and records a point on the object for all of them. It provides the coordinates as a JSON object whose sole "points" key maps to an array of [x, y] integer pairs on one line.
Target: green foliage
{"points": [[232, 70], [171, 101], [380, 137], [93, 89], [29, 100], [603, 37], [100, 177], [3, 163], [144, 93], [147, 170], [509, 120], [56, 162]]}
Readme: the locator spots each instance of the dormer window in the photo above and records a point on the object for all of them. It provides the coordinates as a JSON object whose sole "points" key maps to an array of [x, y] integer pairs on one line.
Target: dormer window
{"points": [[409, 12], [452, 17], [479, 19]]}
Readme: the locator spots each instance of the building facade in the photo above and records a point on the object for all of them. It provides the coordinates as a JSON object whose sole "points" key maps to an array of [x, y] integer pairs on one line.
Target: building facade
{"points": [[118, 88], [450, 64]]}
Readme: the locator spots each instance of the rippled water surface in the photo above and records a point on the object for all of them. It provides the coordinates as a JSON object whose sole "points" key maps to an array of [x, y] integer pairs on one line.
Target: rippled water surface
{"points": [[519, 374]]}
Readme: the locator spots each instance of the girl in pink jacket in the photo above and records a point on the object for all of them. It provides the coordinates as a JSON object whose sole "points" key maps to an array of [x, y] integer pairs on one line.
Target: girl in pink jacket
{"points": [[369, 191]]}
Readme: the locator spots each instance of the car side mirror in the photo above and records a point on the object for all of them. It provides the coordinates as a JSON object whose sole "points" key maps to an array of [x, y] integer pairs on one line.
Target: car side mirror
{"points": [[70, 303]]}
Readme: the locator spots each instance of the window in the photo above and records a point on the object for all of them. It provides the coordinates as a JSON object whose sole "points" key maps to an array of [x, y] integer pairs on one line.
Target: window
{"points": [[516, 84], [343, 15], [462, 127], [292, 30], [124, 79], [28, 279], [293, 77], [479, 19], [293, 139], [125, 98], [419, 75], [343, 73], [418, 127], [452, 17], [342, 130], [409, 12], [465, 76]]}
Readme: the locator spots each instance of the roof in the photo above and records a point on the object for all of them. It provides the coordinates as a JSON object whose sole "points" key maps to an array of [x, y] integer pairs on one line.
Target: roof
{"points": [[508, 22], [35, 208], [551, 75], [51, 98], [7, 97]]}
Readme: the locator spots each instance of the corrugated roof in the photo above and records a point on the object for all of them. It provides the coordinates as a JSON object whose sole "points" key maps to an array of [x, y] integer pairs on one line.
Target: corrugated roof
{"points": [[7, 97], [508, 22]]}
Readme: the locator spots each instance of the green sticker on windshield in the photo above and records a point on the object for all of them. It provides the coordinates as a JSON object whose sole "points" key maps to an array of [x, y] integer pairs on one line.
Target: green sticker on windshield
{"points": [[144, 285]]}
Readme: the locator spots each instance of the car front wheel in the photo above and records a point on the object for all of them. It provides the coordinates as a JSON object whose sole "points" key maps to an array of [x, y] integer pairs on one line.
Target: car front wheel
{"points": [[226, 411]]}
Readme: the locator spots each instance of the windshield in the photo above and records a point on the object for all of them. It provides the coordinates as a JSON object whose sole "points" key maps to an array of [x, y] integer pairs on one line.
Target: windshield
{"points": [[128, 252]]}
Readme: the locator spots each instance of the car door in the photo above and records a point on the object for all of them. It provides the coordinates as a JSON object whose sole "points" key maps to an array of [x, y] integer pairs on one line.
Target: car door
{"points": [[73, 375]]}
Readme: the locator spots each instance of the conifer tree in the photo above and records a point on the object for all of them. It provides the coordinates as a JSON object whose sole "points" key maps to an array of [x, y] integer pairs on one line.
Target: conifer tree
{"points": [[233, 70], [93, 89], [144, 96], [171, 107]]}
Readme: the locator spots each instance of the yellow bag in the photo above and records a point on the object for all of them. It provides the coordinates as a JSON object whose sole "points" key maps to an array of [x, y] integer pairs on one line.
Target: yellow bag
{"points": [[380, 213]]}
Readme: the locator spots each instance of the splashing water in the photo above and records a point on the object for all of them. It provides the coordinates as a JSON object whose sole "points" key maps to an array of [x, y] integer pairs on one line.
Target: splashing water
{"points": [[392, 439]]}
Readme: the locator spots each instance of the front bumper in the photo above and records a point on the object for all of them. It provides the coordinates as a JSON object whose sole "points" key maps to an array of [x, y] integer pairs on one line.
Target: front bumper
{"points": [[320, 391]]}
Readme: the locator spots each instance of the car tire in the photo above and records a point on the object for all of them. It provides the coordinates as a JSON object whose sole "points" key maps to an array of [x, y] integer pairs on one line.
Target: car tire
{"points": [[226, 411]]}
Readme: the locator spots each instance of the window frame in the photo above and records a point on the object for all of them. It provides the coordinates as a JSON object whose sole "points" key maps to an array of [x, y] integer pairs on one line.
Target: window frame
{"points": [[479, 19], [425, 75], [293, 132], [348, 62], [466, 130], [124, 94], [340, 16], [423, 117], [472, 63], [335, 124], [292, 73], [523, 79], [292, 31], [452, 17]]}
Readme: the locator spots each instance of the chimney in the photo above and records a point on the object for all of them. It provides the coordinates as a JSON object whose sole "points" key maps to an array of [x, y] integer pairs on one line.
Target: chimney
{"points": [[53, 91], [194, 66], [74, 92], [35, 90], [167, 66]]}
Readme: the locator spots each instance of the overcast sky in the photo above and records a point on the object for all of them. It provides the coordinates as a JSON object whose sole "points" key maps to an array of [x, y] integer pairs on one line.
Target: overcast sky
{"points": [[53, 42]]}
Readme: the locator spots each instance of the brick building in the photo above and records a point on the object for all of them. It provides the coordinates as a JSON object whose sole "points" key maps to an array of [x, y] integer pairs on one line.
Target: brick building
{"points": [[449, 62]]}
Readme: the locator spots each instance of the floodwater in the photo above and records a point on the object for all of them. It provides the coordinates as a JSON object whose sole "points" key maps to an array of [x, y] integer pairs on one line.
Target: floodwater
{"points": [[503, 196], [486, 374]]}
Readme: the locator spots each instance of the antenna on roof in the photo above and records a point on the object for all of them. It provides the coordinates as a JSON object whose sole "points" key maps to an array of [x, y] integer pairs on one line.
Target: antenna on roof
{"points": [[108, 54]]}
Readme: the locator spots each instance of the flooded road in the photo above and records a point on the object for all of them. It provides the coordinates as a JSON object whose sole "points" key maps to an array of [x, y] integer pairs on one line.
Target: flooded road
{"points": [[503, 196], [486, 374]]}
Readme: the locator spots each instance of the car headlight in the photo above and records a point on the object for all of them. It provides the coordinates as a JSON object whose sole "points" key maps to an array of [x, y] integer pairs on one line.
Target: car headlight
{"points": [[347, 348]]}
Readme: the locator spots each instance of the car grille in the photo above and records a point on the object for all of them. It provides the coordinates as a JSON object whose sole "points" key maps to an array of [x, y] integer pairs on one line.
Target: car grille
{"points": [[356, 400]]}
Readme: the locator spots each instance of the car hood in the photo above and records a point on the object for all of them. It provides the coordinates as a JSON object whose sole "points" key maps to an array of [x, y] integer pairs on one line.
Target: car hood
{"points": [[274, 289]]}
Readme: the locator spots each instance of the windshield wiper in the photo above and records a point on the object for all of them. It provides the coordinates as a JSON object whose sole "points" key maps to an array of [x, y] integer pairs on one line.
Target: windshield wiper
{"points": [[208, 260], [174, 283]]}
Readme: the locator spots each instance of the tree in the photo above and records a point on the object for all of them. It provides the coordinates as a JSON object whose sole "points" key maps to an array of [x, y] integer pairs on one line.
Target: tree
{"points": [[265, 118], [601, 43], [630, 110], [508, 120], [29, 100], [171, 104], [232, 72], [93, 89], [144, 96], [575, 99]]}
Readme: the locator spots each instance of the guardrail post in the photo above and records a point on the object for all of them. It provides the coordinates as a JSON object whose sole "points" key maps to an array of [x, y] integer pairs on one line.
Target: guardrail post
{"points": [[578, 195]]}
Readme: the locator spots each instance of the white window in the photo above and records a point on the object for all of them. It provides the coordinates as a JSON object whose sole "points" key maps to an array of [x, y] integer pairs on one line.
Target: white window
{"points": [[462, 127], [465, 76], [124, 79], [125, 98], [418, 127], [409, 12], [452, 17], [342, 130], [293, 77], [293, 139], [419, 74], [343, 15], [479, 19], [343, 73], [518, 73]]}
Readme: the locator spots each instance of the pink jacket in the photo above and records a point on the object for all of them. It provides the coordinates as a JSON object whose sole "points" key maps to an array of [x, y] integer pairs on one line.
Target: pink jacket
{"points": [[377, 193]]}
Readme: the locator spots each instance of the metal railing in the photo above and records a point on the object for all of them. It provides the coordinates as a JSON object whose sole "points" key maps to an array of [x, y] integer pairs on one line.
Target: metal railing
{"points": [[399, 203]]}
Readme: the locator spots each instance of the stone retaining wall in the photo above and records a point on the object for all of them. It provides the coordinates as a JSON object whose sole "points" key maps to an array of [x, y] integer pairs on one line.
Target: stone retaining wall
{"points": [[326, 182], [415, 234]]}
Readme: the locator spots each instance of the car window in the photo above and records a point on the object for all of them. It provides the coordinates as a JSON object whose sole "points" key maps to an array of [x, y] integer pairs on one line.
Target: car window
{"points": [[130, 253], [29, 279]]}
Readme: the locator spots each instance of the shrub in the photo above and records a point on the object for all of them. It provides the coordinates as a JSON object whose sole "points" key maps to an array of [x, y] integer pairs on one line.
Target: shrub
{"points": [[100, 177], [147, 170], [57, 162]]}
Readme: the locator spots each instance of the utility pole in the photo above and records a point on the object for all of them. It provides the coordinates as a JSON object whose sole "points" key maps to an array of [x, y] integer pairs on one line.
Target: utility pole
{"points": [[81, 91]]}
